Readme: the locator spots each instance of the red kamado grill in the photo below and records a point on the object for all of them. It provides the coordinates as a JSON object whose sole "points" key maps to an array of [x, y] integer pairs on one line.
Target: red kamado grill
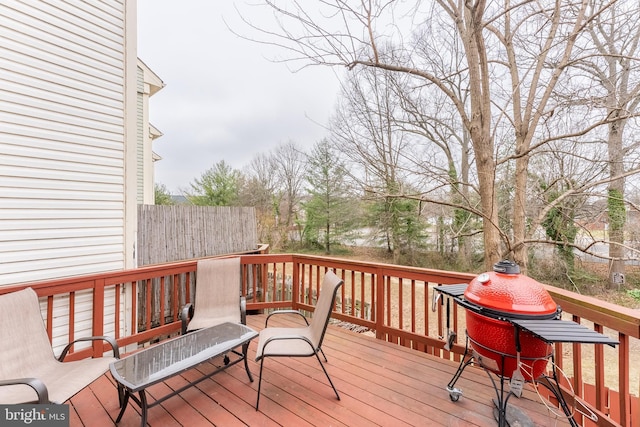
{"points": [[511, 325], [496, 298]]}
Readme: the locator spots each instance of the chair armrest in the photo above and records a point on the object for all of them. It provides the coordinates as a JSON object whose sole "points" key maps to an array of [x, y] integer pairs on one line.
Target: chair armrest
{"points": [[186, 314], [285, 312], [37, 385], [109, 340], [243, 310]]}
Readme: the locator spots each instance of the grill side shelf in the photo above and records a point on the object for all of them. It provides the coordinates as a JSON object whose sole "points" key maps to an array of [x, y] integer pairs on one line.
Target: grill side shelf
{"points": [[552, 330], [452, 290]]}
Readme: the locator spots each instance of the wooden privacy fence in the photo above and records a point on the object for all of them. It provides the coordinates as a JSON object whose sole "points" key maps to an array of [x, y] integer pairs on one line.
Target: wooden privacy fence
{"points": [[175, 233]]}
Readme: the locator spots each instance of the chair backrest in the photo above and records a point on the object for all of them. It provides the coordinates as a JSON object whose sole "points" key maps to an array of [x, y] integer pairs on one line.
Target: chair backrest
{"points": [[217, 297], [322, 313], [24, 343]]}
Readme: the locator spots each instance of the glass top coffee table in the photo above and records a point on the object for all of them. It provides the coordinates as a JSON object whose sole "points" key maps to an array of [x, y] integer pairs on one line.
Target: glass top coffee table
{"points": [[138, 371]]}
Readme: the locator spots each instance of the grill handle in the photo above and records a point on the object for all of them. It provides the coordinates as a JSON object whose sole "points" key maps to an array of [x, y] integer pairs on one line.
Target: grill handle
{"points": [[469, 306]]}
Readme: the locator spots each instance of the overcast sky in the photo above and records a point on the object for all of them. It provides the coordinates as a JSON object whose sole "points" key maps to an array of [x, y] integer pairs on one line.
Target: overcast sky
{"points": [[223, 99]]}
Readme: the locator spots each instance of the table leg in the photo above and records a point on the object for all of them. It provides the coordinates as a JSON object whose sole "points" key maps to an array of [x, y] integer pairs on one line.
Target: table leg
{"points": [[143, 408], [123, 405]]}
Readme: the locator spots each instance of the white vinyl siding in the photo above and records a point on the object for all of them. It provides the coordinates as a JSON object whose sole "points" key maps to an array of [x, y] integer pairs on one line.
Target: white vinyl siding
{"points": [[83, 316], [62, 139]]}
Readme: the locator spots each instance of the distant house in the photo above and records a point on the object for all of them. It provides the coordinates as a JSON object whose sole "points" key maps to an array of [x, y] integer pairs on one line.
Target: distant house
{"points": [[180, 199], [148, 84], [75, 139]]}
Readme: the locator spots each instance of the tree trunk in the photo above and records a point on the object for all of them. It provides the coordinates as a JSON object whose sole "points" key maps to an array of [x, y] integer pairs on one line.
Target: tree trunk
{"points": [[479, 126], [464, 244], [486, 169], [520, 255], [615, 205], [327, 238]]}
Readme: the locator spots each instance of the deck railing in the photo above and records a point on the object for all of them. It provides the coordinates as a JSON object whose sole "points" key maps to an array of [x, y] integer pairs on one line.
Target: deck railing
{"points": [[393, 302]]}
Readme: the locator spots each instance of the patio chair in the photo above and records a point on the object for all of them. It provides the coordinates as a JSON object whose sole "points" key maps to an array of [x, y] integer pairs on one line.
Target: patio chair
{"points": [[303, 341], [217, 299], [29, 371]]}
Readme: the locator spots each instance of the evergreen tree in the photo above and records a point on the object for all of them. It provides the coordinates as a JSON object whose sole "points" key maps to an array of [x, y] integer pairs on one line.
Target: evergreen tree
{"points": [[400, 226], [161, 195], [328, 209], [560, 226], [218, 186]]}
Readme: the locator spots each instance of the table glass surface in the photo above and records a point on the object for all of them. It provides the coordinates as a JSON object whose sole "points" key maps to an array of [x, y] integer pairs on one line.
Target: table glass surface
{"points": [[168, 358]]}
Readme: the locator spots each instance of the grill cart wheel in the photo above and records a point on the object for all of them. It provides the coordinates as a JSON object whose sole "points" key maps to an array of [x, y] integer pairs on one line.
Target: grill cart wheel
{"points": [[454, 394]]}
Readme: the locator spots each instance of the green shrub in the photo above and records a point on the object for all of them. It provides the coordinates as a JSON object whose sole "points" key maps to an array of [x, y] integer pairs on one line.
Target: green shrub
{"points": [[634, 293]]}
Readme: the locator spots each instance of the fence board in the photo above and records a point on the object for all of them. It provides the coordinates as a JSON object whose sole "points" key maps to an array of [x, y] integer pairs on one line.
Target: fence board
{"points": [[175, 233]]}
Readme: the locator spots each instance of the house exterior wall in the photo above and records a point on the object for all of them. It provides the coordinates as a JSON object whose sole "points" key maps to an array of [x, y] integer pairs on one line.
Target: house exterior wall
{"points": [[66, 169], [147, 84]]}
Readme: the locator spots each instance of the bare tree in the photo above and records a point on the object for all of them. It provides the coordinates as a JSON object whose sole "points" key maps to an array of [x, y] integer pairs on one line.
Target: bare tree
{"points": [[259, 190], [444, 158], [290, 168], [514, 55], [364, 131], [615, 67]]}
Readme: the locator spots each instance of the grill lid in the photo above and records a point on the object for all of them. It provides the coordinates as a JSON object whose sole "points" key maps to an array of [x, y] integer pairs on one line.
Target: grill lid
{"points": [[506, 290]]}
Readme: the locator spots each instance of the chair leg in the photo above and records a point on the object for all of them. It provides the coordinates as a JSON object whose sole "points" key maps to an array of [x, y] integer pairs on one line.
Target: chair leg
{"points": [[259, 382], [323, 370], [327, 374], [245, 349], [323, 355]]}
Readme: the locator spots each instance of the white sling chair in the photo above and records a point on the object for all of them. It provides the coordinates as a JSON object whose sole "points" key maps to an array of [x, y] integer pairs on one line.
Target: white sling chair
{"points": [[302, 341], [217, 300], [29, 371]]}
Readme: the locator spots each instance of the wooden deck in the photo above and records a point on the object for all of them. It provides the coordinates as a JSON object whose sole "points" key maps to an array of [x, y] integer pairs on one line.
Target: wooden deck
{"points": [[379, 384]]}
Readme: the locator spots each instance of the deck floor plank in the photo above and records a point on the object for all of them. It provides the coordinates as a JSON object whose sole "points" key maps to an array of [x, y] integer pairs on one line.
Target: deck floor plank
{"points": [[209, 397], [228, 394], [90, 409], [380, 384]]}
